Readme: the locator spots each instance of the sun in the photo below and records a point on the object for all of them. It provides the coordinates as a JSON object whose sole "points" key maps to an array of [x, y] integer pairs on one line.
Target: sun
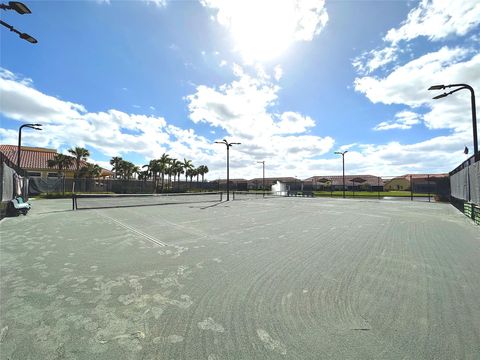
{"points": [[262, 30]]}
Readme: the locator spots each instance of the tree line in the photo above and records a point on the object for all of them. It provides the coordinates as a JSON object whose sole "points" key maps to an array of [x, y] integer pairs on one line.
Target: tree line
{"points": [[164, 171], [79, 157]]}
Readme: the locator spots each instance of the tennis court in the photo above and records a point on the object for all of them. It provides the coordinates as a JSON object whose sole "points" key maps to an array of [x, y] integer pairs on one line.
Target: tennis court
{"points": [[275, 278]]}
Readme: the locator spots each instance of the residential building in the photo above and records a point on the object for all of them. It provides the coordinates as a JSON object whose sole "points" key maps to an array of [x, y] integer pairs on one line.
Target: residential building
{"points": [[34, 160]]}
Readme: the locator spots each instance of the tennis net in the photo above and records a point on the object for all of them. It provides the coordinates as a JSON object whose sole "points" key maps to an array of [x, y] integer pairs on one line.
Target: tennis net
{"points": [[243, 195], [101, 201]]}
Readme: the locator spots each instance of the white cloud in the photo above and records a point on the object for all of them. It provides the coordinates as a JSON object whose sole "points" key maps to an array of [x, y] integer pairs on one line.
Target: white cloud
{"points": [[278, 72], [408, 84], [68, 124], [262, 30], [403, 120], [434, 19], [242, 109], [374, 59], [437, 20]]}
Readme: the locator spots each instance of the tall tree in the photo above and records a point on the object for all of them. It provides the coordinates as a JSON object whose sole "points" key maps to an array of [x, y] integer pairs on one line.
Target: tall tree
{"points": [[175, 168], [80, 154], [187, 166], [115, 162], [90, 171], [61, 162], [205, 170], [164, 161]]}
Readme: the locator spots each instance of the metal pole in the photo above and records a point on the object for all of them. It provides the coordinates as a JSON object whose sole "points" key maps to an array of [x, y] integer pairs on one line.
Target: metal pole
{"points": [[428, 185], [263, 179], [19, 144], [343, 167], [228, 172], [378, 187], [474, 125], [411, 188]]}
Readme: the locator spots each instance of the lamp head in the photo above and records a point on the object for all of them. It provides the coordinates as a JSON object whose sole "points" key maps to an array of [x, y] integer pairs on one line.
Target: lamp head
{"points": [[29, 38], [440, 96], [19, 7], [436, 87]]}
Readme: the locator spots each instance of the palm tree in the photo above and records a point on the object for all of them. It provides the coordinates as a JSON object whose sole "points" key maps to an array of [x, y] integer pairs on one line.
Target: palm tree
{"points": [[62, 162], [90, 171], [115, 162], [164, 161], [143, 175], [187, 166], [127, 169], [191, 173], [136, 170], [204, 171], [175, 168], [148, 172], [155, 168], [80, 154]]}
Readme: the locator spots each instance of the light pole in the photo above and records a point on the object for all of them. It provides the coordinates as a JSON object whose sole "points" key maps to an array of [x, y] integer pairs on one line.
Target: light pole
{"points": [[22, 9], [31, 126], [228, 145], [474, 111], [263, 178], [343, 167]]}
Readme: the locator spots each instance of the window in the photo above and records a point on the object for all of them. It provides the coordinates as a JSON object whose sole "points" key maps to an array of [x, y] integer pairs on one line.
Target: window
{"points": [[51, 174], [33, 173]]}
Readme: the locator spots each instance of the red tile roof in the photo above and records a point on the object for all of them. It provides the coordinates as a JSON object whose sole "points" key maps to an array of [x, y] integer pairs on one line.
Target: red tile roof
{"points": [[33, 158]]}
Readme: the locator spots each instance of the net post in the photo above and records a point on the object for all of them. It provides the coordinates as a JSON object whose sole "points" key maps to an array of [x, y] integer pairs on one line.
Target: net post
{"points": [[233, 194], [73, 201]]}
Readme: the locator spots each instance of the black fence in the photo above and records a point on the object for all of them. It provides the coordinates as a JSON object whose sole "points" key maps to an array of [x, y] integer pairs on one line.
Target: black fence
{"points": [[57, 186], [14, 182], [465, 188]]}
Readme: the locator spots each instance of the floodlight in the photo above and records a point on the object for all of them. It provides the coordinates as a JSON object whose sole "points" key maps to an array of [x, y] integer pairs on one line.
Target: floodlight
{"points": [[19, 7], [440, 96], [436, 87], [29, 38]]}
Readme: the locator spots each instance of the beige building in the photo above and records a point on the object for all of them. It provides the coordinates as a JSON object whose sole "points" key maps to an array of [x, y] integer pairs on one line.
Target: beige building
{"points": [[34, 160]]}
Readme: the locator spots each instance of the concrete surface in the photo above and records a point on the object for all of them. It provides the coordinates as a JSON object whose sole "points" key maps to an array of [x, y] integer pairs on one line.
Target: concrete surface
{"points": [[286, 278]]}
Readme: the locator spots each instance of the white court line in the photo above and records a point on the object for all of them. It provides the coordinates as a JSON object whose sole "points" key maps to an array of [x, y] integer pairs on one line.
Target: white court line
{"points": [[135, 231]]}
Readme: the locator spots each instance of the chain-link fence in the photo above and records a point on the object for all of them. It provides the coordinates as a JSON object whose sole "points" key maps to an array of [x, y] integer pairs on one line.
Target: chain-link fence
{"points": [[465, 188]]}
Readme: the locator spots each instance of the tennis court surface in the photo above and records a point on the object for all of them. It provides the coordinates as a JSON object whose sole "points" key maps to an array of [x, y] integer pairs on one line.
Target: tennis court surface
{"points": [[283, 278]]}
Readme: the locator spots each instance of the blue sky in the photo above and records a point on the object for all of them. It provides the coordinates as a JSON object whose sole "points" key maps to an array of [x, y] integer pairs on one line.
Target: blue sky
{"points": [[293, 81]]}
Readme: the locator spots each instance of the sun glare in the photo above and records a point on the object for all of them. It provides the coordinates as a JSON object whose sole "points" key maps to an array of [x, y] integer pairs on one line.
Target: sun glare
{"points": [[264, 29]]}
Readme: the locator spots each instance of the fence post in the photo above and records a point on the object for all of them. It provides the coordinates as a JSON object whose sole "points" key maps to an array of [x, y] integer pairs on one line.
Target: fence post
{"points": [[428, 185], [378, 187], [411, 188]]}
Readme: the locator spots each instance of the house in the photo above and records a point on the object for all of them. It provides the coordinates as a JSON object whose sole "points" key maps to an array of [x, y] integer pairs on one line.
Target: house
{"points": [[235, 184], [335, 182], [34, 160], [257, 183], [419, 182]]}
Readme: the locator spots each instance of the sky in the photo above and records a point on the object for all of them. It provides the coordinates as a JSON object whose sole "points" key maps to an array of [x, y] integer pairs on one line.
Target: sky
{"points": [[292, 81]]}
